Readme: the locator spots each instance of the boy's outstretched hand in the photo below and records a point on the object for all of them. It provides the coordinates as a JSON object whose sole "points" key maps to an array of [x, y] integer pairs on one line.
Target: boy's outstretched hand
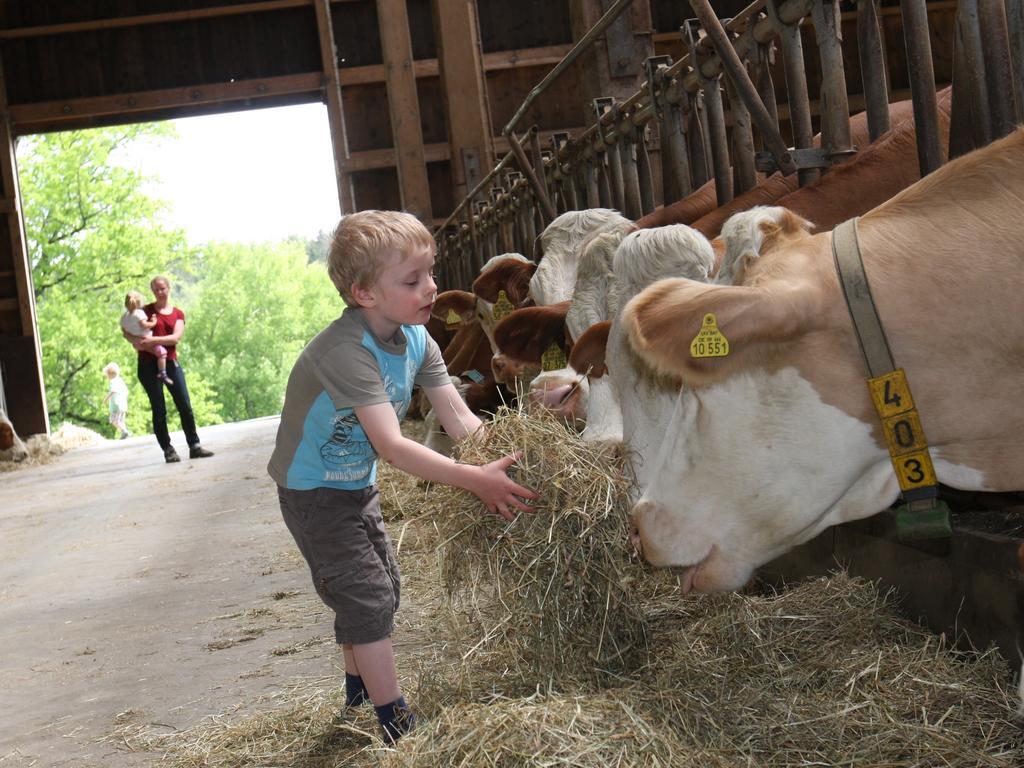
{"points": [[499, 492]]}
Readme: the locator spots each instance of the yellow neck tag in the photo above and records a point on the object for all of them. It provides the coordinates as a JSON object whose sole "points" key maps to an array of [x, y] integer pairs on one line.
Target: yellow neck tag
{"points": [[453, 320], [709, 342], [553, 358], [502, 306]]}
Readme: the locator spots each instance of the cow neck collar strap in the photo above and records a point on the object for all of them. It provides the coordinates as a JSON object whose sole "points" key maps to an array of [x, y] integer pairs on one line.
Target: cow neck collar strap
{"points": [[923, 514]]}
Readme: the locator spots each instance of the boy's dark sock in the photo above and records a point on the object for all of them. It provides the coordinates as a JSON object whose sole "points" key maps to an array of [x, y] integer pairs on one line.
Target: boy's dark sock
{"points": [[396, 719], [355, 691]]}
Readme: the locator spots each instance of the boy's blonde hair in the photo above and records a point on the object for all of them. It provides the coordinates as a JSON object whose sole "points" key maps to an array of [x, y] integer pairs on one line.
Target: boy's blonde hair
{"points": [[111, 368], [361, 243], [134, 300]]}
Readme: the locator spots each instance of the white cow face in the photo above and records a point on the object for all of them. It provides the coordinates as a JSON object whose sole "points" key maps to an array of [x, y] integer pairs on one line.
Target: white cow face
{"points": [[746, 470]]}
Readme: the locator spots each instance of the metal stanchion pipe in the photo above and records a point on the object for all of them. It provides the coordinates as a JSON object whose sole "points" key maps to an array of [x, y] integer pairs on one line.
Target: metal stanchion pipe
{"points": [[737, 73], [644, 175], [796, 86], [998, 67], [604, 184], [763, 81], [700, 159], [835, 106], [527, 169], [537, 156], [675, 160], [615, 177], [922, 84], [745, 171], [1015, 23], [871, 49], [630, 179], [590, 175], [719, 140], [971, 120]]}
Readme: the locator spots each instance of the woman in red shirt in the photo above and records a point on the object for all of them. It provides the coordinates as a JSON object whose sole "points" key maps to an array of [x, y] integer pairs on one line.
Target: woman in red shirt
{"points": [[170, 325]]}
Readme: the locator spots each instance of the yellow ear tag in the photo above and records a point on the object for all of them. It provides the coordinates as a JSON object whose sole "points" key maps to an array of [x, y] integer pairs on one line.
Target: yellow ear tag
{"points": [[709, 342], [502, 306], [553, 358], [453, 320]]}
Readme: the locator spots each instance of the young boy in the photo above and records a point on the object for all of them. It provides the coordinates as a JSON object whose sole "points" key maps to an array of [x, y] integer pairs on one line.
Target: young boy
{"points": [[345, 397]]}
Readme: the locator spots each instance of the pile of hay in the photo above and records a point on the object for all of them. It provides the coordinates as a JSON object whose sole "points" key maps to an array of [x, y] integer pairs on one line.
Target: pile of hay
{"points": [[42, 449], [553, 587], [826, 673]]}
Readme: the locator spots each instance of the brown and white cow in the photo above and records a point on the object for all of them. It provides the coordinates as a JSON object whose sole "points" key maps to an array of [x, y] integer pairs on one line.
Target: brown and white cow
{"points": [[763, 449]]}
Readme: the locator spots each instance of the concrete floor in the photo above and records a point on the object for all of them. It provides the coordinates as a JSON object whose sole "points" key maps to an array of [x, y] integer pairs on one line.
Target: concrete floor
{"points": [[134, 591]]}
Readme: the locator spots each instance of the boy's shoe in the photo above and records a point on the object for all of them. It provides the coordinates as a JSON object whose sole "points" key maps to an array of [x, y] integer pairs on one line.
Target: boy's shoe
{"points": [[171, 455], [165, 378], [125, 435], [198, 452], [396, 719]]}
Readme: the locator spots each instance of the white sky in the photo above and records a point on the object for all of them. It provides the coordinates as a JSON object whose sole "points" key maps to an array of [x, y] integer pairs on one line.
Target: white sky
{"points": [[249, 176]]}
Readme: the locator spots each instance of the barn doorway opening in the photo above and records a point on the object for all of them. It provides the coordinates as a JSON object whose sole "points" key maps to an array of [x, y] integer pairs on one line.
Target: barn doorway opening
{"points": [[235, 209]]}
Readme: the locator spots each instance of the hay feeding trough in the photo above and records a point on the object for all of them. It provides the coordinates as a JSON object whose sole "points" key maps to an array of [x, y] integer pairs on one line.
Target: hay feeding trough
{"points": [[554, 586]]}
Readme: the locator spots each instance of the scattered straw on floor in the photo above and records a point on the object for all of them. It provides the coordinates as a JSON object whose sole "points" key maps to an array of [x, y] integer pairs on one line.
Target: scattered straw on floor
{"points": [[824, 673], [598, 730], [308, 731]]}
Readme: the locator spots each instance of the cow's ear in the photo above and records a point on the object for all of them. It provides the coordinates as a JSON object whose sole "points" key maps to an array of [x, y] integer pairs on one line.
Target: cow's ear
{"points": [[519, 285], [663, 322], [588, 353]]}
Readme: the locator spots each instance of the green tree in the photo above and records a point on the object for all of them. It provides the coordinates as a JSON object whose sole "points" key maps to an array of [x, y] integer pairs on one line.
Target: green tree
{"points": [[255, 307], [93, 233]]}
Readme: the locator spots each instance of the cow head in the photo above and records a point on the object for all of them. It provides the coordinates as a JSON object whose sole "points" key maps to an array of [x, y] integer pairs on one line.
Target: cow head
{"points": [[522, 338], [747, 458], [508, 274], [452, 311], [562, 243]]}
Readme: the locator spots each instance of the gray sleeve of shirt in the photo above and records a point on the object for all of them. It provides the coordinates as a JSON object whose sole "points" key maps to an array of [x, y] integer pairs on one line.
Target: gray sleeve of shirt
{"points": [[350, 376], [433, 372]]}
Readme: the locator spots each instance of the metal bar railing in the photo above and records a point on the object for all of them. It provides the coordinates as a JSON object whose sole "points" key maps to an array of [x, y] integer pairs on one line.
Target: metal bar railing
{"points": [[607, 163]]}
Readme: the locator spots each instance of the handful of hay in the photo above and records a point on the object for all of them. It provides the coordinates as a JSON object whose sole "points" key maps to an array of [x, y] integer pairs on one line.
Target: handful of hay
{"points": [[552, 587]]}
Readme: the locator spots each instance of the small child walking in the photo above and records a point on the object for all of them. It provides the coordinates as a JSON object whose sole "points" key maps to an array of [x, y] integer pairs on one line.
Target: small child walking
{"points": [[135, 323], [117, 397]]}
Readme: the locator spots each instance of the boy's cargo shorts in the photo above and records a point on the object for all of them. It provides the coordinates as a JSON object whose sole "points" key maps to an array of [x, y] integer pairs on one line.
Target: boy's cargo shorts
{"points": [[341, 534]]}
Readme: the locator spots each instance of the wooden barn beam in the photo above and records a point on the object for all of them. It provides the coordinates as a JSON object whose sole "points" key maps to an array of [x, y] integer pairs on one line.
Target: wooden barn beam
{"points": [[20, 351], [464, 92], [371, 159], [492, 62], [146, 19], [335, 111], [48, 115], [404, 107]]}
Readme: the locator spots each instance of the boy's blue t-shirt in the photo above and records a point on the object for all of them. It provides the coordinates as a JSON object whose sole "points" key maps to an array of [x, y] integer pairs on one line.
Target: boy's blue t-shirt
{"points": [[320, 442]]}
